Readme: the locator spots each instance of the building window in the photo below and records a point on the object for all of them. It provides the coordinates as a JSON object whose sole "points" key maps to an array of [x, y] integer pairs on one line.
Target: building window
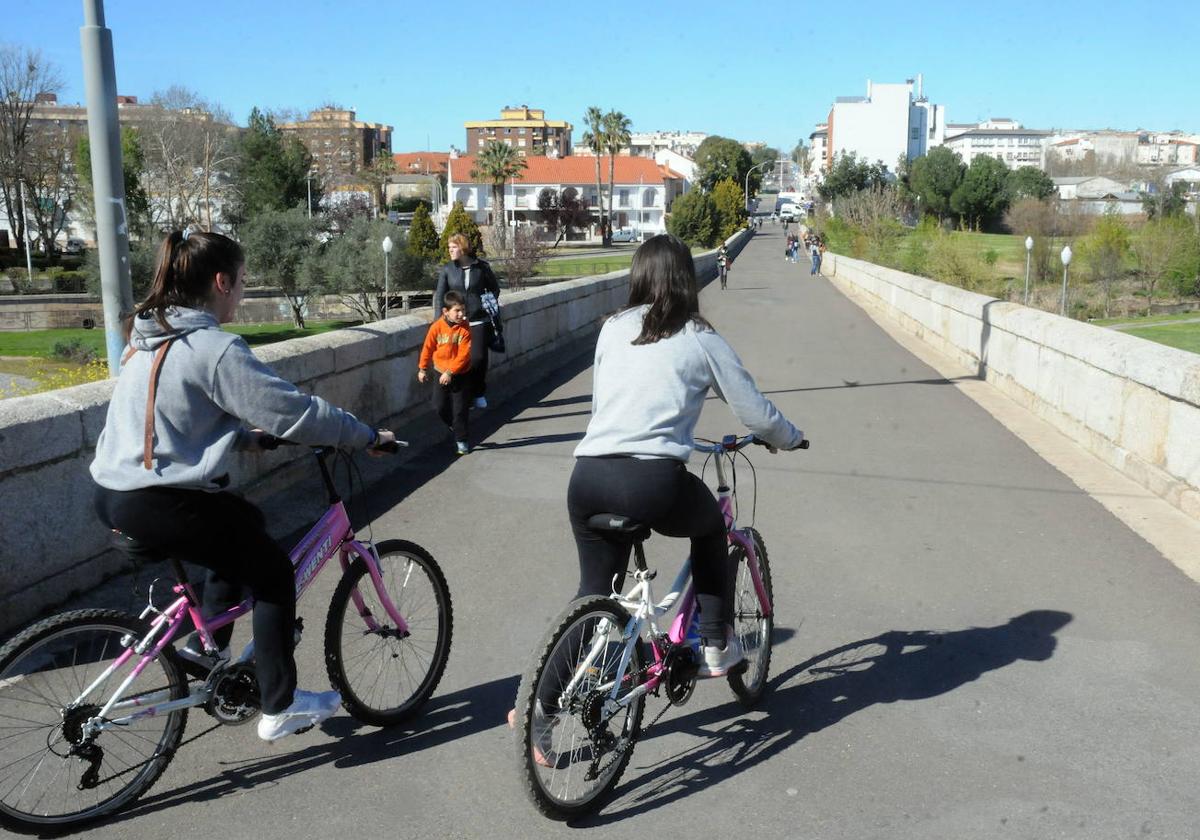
{"points": [[521, 142], [649, 198], [916, 133], [520, 131], [623, 198]]}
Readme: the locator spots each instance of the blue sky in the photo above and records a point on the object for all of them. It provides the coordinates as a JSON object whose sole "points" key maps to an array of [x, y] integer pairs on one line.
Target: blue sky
{"points": [[749, 70]]}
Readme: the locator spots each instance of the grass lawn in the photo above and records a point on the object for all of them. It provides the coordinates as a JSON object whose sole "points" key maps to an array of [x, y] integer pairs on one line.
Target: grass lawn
{"points": [[1181, 336], [582, 266], [40, 343], [1149, 320]]}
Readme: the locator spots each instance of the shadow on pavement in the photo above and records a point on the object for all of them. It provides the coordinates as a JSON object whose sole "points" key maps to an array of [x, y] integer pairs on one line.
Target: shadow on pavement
{"points": [[898, 665], [446, 718]]}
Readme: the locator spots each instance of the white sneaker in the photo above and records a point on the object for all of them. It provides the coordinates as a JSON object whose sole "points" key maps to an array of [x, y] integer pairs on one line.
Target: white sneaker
{"points": [[719, 661], [480, 402], [307, 710]]}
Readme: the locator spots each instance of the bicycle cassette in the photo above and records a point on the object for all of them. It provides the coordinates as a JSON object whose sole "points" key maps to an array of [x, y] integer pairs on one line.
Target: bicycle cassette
{"points": [[233, 694]]}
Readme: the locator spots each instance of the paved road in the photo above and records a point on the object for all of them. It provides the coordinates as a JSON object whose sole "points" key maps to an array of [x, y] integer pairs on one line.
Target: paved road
{"points": [[968, 646]]}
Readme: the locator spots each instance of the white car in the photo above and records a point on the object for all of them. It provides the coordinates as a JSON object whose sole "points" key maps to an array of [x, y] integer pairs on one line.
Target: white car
{"points": [[790, 212]]}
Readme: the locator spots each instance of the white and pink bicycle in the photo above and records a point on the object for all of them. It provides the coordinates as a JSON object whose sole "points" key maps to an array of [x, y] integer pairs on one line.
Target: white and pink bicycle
{"points": [[93, 703], [579, 706]]}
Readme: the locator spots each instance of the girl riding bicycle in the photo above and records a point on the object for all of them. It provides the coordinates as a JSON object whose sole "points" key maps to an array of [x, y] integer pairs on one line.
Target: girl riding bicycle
{"points": [[186, 392], [655, 362]]}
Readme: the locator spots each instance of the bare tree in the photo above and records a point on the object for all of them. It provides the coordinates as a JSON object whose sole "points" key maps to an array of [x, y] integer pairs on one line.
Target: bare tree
{"points": [[24, 73], [528, 253], [876, 212], [50, 181]]}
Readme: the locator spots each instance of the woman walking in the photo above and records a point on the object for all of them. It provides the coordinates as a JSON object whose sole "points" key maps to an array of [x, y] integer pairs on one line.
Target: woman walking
{"points": [[472, 278]]}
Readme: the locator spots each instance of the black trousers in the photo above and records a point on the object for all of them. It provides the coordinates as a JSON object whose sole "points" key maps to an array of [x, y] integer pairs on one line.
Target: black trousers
{"points": [[661, 493], [481, 334], [226, 535], [453, 402]]}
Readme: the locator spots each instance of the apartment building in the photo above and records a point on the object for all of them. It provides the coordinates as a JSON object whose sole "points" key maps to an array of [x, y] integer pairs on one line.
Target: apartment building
{"points": [[649, 143], [892, 121], [340, 145], [1001, 138], [525, 129]]}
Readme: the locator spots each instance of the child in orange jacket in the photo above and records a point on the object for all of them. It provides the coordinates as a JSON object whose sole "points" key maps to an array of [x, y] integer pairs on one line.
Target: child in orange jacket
{"points": [[448, 347]]}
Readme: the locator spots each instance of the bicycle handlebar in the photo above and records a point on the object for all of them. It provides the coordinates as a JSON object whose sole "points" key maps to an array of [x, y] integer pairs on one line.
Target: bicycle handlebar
{"points": [[733, 443], [271, 442]]}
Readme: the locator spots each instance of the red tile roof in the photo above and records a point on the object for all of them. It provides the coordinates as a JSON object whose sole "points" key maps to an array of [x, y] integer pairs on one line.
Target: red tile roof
{"points": [[420, 163], [574, 169]]}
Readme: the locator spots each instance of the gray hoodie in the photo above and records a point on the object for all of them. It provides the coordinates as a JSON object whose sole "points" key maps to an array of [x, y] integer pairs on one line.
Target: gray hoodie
{"points": [[210, 386], [647, 397]]}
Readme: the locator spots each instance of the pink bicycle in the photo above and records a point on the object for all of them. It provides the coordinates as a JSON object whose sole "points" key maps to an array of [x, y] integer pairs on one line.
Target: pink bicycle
{"points": [[93, 703], [579, 706]]}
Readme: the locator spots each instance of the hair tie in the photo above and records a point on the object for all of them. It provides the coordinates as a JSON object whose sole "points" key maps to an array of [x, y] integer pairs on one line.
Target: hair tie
{"points": [[187, 231]]}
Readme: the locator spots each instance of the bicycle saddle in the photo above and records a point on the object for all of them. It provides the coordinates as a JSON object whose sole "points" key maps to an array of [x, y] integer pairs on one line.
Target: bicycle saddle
{"points": [[137, 551], [621, 525]]}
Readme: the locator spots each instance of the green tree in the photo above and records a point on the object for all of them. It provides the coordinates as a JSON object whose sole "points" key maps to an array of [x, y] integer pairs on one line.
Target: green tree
{"points": [[1029, 182], [1165, 249], [616, 137], [718, 158], [934, 177], [459, 222], [142, 254], [271, 171], [849, 175], [802, 156], [353, 266], [1166, 201], [422, 236], [133, 166], [693, 218], [1102, 253], [496, 164], [277, 243], [593, 138], [982, 197], [730, 208]]}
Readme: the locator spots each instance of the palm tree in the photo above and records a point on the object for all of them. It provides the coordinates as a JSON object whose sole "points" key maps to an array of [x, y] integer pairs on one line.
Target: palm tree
{"points": [[496, 164], [616, 137], [593, 138]]}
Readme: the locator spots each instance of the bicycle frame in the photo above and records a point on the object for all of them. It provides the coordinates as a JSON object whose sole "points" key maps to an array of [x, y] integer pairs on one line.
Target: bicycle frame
{"points": [[640, 602], [331, 534]]}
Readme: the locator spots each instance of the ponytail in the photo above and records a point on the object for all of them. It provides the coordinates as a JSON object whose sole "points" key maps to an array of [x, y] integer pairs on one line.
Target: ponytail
{"points": [[183, 273]]}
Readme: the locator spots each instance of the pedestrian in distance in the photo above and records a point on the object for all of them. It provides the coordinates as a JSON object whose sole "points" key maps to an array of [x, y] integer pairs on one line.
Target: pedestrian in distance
{"points": [[162, 465], [724, 262], [472, 278], [814, 250], [447, 348]]}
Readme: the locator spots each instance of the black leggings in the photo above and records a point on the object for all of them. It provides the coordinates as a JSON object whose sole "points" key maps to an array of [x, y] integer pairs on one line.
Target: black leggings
{"points": [[661, 493], [226, 535], [481, 334]]}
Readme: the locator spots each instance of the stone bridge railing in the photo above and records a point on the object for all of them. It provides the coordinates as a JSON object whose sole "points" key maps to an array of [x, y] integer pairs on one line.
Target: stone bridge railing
{"points": [[1132, 403]]}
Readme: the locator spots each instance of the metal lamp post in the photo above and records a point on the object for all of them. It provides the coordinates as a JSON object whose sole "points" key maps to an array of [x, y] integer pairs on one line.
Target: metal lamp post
{"points": [[746, 186], [1028, 253], [1066, 261], [387, 249]]}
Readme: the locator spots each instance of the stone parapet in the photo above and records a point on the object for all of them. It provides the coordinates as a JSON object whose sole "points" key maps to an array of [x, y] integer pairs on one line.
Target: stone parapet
{"points": [[1132, 403]]}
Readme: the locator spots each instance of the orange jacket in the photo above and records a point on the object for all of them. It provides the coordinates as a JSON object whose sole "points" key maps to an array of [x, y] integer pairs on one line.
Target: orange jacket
{"points": [[448, 346]]}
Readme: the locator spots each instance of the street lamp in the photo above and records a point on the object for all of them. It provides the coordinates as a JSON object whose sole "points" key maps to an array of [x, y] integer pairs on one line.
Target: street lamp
{"points": [[1066, 261], [746, 187], [308, 180], [387, 249], [1028, 253]]}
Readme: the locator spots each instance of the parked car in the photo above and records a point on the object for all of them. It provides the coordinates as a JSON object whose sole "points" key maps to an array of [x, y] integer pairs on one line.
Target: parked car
{"points": [[625, 235], [74, 246], [789, 212]]}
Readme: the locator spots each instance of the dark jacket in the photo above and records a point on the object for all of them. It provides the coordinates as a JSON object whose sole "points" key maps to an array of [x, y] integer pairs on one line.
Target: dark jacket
{"points": [[483, 279]]}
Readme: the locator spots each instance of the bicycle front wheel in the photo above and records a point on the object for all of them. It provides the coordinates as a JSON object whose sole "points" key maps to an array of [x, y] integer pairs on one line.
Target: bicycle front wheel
{"points": [[751, 623], [384, 677], [54, 776], [573, 743]]}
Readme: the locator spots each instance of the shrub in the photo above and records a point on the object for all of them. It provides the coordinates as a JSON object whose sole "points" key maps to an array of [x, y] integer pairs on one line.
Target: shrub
{"points": [[693, 219], [74, 350]]}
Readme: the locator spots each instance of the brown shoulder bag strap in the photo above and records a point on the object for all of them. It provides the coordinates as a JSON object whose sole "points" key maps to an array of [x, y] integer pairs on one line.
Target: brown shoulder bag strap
{"points": [[155, 367]]}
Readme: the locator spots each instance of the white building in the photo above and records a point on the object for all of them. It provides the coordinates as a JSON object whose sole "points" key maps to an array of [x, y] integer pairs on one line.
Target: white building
{"points": [[676, 162], [643, 190], [1170, 149], [648, 143], [891, 122], [818, 141], [1001, 138]]}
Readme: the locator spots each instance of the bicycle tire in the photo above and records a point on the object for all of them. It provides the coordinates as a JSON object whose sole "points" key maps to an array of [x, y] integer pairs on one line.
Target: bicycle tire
{"points": [[753, 628], [42, 671], [551, 669], [387, 661]]}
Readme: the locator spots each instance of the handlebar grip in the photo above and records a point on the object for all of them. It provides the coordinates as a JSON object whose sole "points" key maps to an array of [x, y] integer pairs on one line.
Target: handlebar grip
{"points": [[803, 444], [391, 447]]}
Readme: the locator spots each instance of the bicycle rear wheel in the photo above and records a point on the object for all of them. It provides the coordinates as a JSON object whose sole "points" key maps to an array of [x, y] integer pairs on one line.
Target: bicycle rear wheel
{"points": [[384, 678], [752, 626], [52, 777], [571, 750]]}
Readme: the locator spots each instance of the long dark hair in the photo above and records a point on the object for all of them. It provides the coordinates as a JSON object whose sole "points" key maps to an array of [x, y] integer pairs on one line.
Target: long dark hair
{"points": [[663, 276], [184, 271]]}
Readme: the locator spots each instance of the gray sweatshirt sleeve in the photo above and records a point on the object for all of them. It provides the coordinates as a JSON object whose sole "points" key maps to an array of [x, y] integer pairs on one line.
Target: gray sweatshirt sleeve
{"points": [[249, 390], [734, 384]]}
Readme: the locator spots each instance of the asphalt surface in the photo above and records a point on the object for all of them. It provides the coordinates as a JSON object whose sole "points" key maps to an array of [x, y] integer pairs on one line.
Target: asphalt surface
{"points": [[967, 645]]}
